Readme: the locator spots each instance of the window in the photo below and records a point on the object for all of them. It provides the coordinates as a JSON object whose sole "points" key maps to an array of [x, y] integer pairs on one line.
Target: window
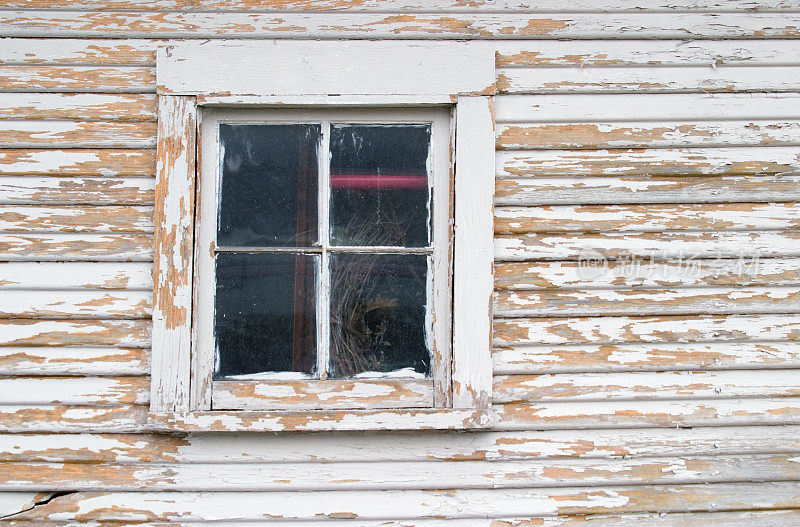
{"points": [[323, 241]]}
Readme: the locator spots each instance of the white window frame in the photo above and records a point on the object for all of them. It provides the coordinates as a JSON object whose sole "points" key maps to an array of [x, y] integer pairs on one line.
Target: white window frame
{"points": [[320, 75]]}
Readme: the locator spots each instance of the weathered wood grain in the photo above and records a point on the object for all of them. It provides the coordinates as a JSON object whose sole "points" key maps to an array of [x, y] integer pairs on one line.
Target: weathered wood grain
{"points": [[80, 79], [647, 274], [100, 219], [646, 134], [126, 333], [78, 52], [618, 330], [35, 190], [614, 190], [73, 419], [644, 385], [74, 390], [77, 247], [378, 505], [89, 361], [77, 162], [76, 134], [637, 356], [394, 25], [653, 162], [28, 276], [647, 79], [596, 248], [79, 106], [75, 304]]}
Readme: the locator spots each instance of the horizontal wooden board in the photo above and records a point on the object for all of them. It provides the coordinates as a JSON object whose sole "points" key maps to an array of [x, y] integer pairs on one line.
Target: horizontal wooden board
{"points": [[79, 106], [78, 52], [36, 190], [653, 52], [646, 107], [652, 162], [660, 245], [637, 356], [396, 476], [75, 304], [648, 134], [74, 390], [645, 274], [76, 134], [648, 79], [77, 162], [318, 395], [126, 333], [618, 330], [69, 360], [319, 448], [593, 25], [644, 385], [381, 505], [101, 219], [621, 302], [27, 276], [80, 79], [615, 190], [73, 419], [77, 247], [646, 218]]}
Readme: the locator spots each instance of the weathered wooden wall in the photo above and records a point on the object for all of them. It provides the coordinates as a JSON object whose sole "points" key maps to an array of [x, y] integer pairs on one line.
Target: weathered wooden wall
{"points": [[666, 394]]}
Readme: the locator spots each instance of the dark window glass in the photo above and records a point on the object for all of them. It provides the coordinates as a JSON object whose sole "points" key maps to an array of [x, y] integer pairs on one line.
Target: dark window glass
{"points": [[379, 185], [268, 193], [265, 313], [378, 314]]}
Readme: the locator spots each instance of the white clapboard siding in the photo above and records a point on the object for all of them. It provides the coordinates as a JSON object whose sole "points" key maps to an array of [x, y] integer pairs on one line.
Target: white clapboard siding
{"points": [[80, 52], [76, 134], [643, 25], [637, 356], [646, 274], [77, 247], [317, 448], [688, 107], [75, 304], [644, 385], [380, 505], [33, 219], [127, 333], [617, 330], [70, 360], [79, 79], [644, 134], [78, 106], [73, 419], [397, 476], [659, 162], [617, 190], [648, 79], [77, 162], [81, 190], [53, 276], [74, 390]]}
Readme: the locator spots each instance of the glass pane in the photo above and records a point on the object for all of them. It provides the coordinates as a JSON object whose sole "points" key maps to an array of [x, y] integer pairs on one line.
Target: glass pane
{"points": [[378, 315], [379, 185], [265, 313], [268, 193]]}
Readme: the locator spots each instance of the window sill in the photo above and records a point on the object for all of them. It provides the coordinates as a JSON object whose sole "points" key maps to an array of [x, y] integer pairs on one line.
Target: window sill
{"points": [[321, 421]]}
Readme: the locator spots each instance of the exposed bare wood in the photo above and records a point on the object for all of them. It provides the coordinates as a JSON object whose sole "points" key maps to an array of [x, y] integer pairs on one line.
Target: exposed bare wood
{"points": [[74, 390], [73, 419], [646, 189], [77, 162], [81, 79], [659, 245], [32, 219], [76, 134], [54, 276], [126, 333], [75, 304], [89, 361], [78, 247], [78, 106], [78, 52], [645, 385], [32, 190], [637, 356]]}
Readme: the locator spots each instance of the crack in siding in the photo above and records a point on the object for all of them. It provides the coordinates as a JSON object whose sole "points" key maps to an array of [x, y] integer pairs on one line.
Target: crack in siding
{"points": [[39, 503]]}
